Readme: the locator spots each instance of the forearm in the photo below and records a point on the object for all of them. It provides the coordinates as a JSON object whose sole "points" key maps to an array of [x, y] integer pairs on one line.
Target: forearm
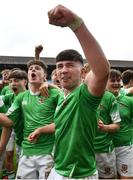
{"points": [[38, 50], [129, 90], [5, 121], [111, 128], [6, 132], [47, 129], [37, 57], [93, 52]]}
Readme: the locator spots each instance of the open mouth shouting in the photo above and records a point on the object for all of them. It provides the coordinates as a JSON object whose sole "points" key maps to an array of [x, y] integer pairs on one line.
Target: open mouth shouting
{"points": [[15, 89], [33, 76]]}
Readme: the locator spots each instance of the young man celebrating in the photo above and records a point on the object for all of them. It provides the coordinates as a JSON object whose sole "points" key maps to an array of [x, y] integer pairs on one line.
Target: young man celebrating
{"points": [[37, 111], [17, 83], [123, 138], [76, 113]]}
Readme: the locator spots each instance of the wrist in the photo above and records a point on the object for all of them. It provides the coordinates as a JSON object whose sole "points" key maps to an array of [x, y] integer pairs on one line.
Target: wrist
{"points": [[76, 23]]}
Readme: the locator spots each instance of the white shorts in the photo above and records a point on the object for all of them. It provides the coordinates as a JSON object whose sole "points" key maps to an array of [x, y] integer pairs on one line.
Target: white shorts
{"points": [[106, 164], [124, 160], [18, 152], [34, 167], [55, 176], [11, 142]]}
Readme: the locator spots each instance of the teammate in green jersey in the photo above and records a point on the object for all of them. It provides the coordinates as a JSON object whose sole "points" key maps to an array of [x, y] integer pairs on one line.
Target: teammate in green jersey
{"points": [[109, 119], [123, 138], [37, 111], [55, 79], [107, 124], [17, 83], [5, 80], [76, 113], [127, 80]]}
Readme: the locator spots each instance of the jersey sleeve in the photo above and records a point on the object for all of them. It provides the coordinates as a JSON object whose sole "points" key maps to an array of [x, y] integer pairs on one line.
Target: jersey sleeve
{"points": [[114, 112], [92, 101], [132, 109], [14, 112], [55, 93], [3, 108], [124, 91]]}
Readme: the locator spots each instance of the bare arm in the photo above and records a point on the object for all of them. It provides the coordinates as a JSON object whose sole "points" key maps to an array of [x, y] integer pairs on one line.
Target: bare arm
{"points": [[38, 50], [6, 132], [108, 128], [48, 129], [129, 90], [97, 77], [44, 88], [5, 121]]}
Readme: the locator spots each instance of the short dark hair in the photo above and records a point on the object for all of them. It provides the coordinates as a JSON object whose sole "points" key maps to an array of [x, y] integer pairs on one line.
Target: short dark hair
{"points": [[14, 69], [69, 55], [127, 76], [39, 63], [5, 70], [114, 73], [18, 74]]}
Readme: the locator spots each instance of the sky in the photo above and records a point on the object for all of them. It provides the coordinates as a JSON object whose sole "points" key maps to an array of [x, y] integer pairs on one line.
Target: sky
{"points": [[24, 25]]}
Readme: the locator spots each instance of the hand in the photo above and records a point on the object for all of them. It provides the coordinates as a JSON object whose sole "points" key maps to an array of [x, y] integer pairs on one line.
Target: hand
{"points": [[102, 126], [61, 16], [38, 50], [44, 90], [33, 137], [53, 86]]}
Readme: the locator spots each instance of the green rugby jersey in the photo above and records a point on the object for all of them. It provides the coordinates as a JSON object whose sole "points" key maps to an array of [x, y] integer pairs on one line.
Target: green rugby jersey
{"points": [[108, 111], [124, 136], [126, 92], [76, 124], [8, 99], [37, 111], [6, 90], [5, 103]]}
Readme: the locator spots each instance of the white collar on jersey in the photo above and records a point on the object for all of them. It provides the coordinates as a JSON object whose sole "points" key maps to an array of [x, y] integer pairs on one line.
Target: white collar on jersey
{"points": [[34, 94]]}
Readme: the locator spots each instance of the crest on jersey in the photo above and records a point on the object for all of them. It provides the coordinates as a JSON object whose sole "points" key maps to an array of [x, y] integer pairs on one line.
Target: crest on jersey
{"points": [[41, 100], [107, 170], [124, 168]]}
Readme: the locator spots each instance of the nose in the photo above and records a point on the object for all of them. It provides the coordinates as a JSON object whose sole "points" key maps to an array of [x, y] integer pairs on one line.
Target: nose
{"points": [[64, 69], [33, 70]]}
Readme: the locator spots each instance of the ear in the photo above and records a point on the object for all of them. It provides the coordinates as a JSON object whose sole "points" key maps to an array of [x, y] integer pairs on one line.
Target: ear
{"points": [[45, 76], [25, 82], [83, 73], [131, 82]]}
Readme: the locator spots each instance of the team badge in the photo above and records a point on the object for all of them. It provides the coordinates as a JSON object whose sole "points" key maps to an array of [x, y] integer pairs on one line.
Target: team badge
{"points": [[107, 170], [41, 100], [124, 168]]}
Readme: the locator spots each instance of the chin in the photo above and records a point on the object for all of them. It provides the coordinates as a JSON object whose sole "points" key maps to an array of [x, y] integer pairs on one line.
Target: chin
{"points": [[65, 85], [115, 92], [36, 83], [33, 81]]}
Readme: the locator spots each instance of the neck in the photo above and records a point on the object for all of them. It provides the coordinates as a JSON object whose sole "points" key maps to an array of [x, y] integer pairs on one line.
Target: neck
{"points": [[21, 90], [66, 91], [34, 88], [69, 90]]}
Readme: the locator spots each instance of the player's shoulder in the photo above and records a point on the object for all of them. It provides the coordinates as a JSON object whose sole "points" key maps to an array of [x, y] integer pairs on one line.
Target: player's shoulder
{"points": [[22, 94]]}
